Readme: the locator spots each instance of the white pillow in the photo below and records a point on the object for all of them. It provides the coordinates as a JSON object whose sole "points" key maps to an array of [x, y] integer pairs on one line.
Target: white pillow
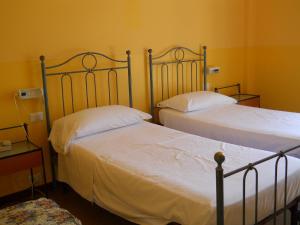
{"points": [[91, 121], [196, 101]]}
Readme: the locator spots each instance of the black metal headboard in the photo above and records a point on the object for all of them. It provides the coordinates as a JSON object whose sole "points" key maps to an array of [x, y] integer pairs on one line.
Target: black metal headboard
{"points": [[83, 76], [186, 76], [88, 72]]}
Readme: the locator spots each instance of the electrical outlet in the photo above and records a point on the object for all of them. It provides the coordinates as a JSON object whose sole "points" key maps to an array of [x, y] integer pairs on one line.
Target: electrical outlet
{"points": [[36, 116], [213, 70], [30, 93]]}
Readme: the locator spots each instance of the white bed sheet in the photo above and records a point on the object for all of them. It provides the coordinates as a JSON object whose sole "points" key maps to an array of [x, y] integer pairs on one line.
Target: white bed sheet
{"points": [[150, 174], [241, 125]]}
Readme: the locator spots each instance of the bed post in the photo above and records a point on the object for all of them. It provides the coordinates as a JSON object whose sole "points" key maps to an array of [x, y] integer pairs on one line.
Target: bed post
{"points": [[151, 84], [294, 213], [52, 157], [129, 78], [205, 69], [220, 158], [42, 58]]}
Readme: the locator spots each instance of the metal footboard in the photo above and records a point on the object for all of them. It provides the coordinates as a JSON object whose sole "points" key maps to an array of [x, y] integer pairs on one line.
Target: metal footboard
{"points": [[220, 176]]}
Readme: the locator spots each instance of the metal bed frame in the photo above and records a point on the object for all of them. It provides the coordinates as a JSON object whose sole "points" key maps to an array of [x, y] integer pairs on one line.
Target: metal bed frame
{"points": [[219, 157], [111, 72], [220, 176], [88, 72], [177, 57]]}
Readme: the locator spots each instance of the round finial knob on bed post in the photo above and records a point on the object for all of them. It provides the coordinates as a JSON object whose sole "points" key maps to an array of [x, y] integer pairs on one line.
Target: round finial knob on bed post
{"points": [[42, 58], [128, 52], [150, 51], [219, 158]]}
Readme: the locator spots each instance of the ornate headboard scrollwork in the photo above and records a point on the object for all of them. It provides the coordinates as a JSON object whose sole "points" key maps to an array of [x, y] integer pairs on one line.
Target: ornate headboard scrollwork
{"points": [[187, 65], [88, 69]]}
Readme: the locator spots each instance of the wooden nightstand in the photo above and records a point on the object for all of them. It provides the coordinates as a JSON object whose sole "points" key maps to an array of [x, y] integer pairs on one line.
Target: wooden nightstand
{"points": [[22, 156], [242, 99]]}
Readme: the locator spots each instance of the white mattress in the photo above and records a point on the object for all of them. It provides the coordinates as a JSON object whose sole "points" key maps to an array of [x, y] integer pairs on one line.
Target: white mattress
{"points": [[242, 125], [150, 174]]}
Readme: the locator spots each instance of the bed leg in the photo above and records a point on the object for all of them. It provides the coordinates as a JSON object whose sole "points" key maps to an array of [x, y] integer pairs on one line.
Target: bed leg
{"points": [[65, 188], [294, 213]]}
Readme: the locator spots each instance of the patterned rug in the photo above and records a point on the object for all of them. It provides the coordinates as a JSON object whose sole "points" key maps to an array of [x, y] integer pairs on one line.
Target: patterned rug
{"points": [[42, 211]]}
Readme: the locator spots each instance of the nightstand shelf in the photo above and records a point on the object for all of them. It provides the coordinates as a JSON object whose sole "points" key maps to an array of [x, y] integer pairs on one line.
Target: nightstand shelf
{"points": [[24, 155], [247, 99], [242, 99]]}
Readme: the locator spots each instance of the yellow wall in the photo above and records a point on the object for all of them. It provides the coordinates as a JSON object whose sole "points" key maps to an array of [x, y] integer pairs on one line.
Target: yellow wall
{"points": [[273, 62], [60, 28]]}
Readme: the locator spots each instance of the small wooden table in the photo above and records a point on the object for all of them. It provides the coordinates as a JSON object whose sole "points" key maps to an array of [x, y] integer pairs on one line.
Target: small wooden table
{"points": [[22, 156], [242, 99]]}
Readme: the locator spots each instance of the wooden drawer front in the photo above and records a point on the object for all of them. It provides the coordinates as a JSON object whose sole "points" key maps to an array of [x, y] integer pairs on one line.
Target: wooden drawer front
{"points": [[20, 162], [255, 102]]}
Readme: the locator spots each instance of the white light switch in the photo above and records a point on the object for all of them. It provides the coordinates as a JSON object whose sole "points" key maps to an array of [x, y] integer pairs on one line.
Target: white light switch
{"points": [[35, 117]]}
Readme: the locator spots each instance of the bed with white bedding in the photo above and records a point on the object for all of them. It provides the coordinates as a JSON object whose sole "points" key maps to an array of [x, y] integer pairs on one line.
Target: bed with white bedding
{"points": [[215, 116], [150, 174], [179, 99], [143, 172], [242, 125]]}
